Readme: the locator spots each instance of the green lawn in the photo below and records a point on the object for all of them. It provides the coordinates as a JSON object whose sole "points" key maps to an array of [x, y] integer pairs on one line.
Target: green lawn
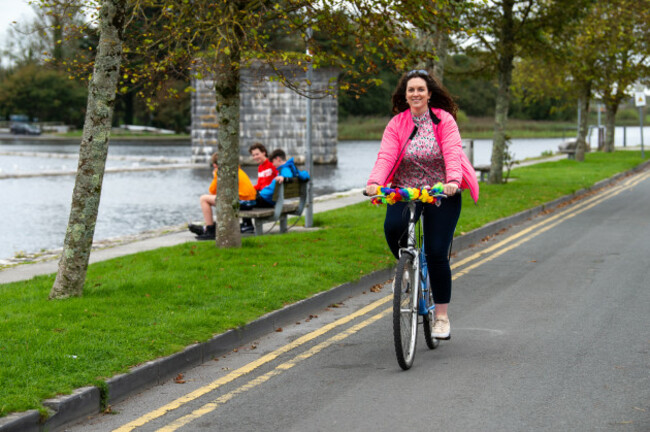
{"points": [[152, 304]]}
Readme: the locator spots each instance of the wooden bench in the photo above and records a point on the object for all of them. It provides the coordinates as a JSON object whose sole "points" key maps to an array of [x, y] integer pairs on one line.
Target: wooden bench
{"points": [[484, 170], [571, 152], [568, 147], [290, 189]]}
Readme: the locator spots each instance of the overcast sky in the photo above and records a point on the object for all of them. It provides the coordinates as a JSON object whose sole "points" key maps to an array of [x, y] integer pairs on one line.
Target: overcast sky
{"points": [[13, 10]]}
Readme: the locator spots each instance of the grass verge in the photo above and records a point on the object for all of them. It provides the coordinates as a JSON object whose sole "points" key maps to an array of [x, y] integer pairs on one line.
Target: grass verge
{"points": [[151, 304]]}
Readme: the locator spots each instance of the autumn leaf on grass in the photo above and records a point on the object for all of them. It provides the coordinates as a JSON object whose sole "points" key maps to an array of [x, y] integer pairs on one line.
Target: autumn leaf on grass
{"points": [[179, 379]]}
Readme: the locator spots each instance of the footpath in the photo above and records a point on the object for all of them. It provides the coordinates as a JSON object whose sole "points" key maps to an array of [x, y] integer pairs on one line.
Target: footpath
{"points": [[91, 400], [169, 236]]}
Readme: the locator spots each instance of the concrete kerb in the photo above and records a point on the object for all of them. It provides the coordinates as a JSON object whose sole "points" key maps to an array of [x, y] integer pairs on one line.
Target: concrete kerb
{"points": [[68, 408], [88, 400], [28, 421]]}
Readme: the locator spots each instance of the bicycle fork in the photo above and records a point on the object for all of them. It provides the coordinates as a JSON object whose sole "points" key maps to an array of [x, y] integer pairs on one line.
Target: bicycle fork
{"points": [[423, 307], [421, 271]]}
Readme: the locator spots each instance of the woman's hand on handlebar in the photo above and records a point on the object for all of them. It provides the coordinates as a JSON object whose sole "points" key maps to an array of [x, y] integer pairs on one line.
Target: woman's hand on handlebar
{"points": [[449, 189], [372, 190]]}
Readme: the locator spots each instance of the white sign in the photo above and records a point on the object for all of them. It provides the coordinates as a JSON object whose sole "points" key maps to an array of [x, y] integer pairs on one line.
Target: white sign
{"points": [[639, 99]]}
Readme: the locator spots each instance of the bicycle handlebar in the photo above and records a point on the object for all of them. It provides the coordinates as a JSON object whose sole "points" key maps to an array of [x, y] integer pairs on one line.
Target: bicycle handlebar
{"points": [[391, 196]]}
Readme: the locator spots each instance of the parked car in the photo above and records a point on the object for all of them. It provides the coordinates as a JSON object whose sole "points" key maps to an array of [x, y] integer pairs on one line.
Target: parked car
{"points": [[24, 129]]}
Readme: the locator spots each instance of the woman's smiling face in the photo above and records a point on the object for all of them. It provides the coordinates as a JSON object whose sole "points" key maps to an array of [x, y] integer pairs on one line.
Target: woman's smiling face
{"points": [[417, 95]]}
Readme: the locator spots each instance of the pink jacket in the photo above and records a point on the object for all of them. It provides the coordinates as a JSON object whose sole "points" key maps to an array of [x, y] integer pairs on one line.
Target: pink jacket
{"points": [[397, 137]]}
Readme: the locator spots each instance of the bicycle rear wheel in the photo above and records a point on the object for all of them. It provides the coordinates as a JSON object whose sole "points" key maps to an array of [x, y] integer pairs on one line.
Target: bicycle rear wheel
{"points": [[405, 313]]}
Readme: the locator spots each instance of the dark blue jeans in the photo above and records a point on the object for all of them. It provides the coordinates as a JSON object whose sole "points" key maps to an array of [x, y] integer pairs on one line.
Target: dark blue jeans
{"points": [[438, 226]]}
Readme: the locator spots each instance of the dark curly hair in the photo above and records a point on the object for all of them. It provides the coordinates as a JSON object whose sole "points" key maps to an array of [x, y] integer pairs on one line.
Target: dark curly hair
{"points": [[440, 96], [278, 153], [258, 146]]}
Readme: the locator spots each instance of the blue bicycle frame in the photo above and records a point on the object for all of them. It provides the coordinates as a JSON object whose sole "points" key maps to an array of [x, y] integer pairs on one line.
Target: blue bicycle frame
{"points": [[423, 309]]}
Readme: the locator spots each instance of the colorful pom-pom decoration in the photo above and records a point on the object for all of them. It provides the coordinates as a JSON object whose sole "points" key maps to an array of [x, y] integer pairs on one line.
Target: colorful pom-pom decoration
{"points": [[391, 196]]}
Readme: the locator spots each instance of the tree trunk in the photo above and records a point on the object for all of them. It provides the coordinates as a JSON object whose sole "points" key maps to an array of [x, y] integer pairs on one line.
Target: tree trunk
{"points": [[426, 42], [507, 49], [583, 127], [611, 107], [441, 43], [92, 153], [57, 39], [227, 80], [129, 103], [436, 41]]}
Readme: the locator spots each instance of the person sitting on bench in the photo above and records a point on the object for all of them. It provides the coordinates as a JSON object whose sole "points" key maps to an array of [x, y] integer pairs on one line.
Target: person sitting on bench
{"points": [[286, 169], [266, 172], [246, 202]]}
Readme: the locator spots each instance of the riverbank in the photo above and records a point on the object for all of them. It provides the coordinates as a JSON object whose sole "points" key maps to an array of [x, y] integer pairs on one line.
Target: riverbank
{"points": [[44, 262], [350, 128], [372, 128], [470, 128]]}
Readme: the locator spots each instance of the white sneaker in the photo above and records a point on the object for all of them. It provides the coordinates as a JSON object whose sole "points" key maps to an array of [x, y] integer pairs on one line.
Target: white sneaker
{"points": [[441, 328]]}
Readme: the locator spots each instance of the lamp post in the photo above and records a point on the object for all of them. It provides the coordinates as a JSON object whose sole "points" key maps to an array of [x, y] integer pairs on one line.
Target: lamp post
{"points": [[309, 213], [639, 99]]}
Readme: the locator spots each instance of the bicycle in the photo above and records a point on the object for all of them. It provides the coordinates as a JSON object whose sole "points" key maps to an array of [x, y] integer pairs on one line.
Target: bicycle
{"points": [[411, 273]]}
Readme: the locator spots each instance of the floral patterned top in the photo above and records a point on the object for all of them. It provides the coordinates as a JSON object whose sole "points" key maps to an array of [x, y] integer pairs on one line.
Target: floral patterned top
{"points": [[423, 164]]}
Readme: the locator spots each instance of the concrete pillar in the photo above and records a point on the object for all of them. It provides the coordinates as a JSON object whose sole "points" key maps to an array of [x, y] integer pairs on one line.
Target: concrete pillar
{"points": [[272, 114]]}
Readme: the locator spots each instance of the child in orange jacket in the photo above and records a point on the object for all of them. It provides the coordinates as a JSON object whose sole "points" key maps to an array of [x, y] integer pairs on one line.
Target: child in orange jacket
{"points": [[246, 201]]}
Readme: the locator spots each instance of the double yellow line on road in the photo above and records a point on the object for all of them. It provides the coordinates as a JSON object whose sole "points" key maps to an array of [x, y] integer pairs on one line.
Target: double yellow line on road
{"points": [[469, 263], [527, 234], [250, 367], [211, 406]]}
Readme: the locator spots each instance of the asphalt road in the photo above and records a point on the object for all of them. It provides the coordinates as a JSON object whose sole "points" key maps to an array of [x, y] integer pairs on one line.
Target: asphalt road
{"points": [[550, 332]]}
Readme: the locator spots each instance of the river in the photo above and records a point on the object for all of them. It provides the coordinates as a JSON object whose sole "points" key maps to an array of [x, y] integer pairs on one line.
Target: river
{"points": [[35, 210]]}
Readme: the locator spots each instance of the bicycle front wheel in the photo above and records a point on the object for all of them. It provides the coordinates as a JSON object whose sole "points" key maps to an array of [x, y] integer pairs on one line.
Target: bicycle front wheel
{"points": [[405, 312], [427, 322]]}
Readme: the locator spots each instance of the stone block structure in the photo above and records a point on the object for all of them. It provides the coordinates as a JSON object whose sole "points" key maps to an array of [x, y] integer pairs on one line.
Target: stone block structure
{"points": [[272, 114]]}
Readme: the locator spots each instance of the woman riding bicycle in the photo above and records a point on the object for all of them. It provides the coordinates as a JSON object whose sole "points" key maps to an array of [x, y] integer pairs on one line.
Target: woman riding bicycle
{"points": [[421, 146]]}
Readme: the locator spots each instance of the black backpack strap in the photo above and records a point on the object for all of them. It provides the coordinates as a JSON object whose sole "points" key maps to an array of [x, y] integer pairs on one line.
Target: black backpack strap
{"points": [[434, 118]]}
